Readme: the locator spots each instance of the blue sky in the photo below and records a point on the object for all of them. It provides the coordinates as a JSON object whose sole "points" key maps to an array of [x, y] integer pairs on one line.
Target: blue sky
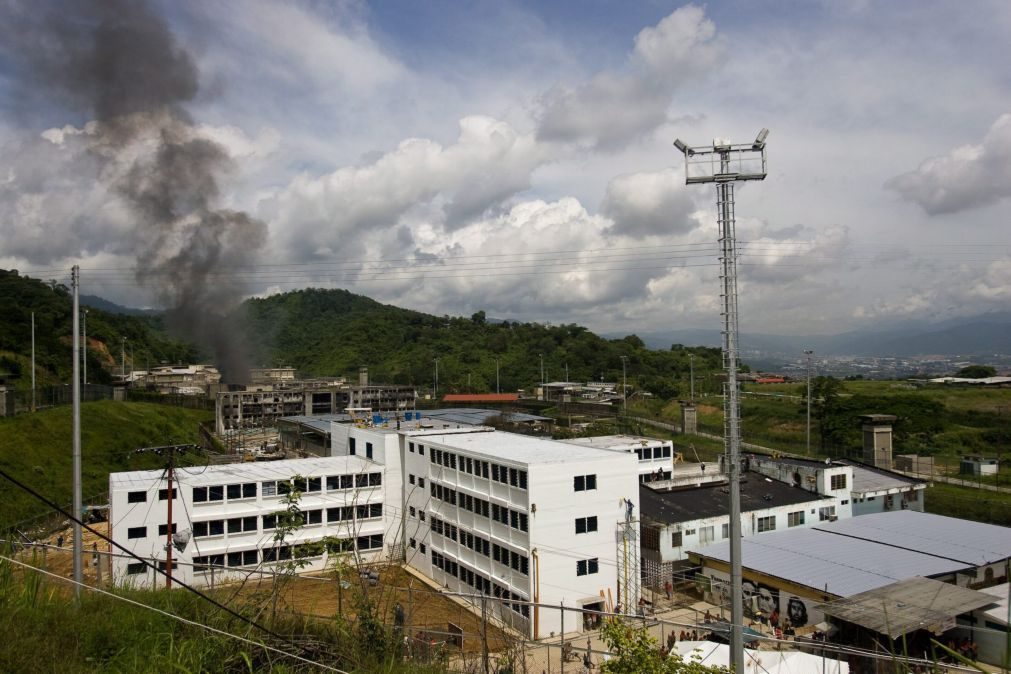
{"points": [[515, 157]]}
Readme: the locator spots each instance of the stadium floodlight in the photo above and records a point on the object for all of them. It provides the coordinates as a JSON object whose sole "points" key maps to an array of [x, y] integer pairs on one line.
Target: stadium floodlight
{"points": [[725, 163]]}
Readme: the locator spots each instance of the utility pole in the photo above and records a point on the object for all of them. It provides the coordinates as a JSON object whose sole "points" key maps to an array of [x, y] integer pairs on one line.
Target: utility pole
{"points": [[75, 284], [33, 361], [169, 452], [436, 391], [122, 367], [84, 355], [735, 163], [498, 388], [566, 373], [808, 352], [484, 634], [691, 375], [624, 385], [542, 373]]}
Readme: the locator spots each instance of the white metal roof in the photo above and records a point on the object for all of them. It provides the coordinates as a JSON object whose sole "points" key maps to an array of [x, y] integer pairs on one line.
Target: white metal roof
{"points": [[969, 543], [521, 448], [250, 471], [998, 613], [827, 562]]}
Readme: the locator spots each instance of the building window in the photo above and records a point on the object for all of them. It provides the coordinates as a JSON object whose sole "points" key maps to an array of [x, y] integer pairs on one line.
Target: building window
{"points": [[584, 482], [410, 478], [725, 530], [706, 535], [136, 497], [413, 511], [421, 452], [795, 519], [421, 482], [826, 513], [845, 501], [422, 548], [913, 496], [410, 446], [675, 539], [421, 515], [136, 532], [135, 568], [368, 450], [270, 488], [413, 543], [314, 484], [163, 494], [585, 525], [767, 523], [163, 529], [838, 481], [586, 567]]}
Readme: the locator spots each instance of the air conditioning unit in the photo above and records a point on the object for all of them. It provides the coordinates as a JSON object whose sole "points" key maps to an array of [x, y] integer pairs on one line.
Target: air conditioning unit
{"points": [[833, 518]]}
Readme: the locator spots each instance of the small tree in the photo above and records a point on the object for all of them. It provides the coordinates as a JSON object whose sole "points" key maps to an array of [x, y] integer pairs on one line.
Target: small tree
{"points": [[976, 372], [634, 651]]}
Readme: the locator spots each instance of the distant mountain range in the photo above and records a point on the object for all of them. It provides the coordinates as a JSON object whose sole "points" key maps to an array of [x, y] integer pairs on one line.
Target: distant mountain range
{"points": [[985, 334]]}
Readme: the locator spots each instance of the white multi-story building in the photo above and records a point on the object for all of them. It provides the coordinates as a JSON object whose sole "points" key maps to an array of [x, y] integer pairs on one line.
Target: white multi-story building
{"points": [[519, 518], [656, 456], [230, 513]]}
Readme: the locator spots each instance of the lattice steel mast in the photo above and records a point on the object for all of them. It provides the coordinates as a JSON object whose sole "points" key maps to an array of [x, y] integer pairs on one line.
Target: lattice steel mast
{"points": [[725, 164]]}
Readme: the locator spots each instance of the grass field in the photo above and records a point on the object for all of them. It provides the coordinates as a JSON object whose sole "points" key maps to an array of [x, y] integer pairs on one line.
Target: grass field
{"points": [[37, 448]]}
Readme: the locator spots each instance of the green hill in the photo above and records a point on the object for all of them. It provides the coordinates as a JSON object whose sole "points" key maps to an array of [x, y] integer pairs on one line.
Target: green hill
{"points": [[147, 341], [332, 332], [37, 448]]}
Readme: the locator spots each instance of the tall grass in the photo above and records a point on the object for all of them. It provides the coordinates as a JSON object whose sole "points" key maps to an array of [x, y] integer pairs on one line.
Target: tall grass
{"points": [[45, 630]]}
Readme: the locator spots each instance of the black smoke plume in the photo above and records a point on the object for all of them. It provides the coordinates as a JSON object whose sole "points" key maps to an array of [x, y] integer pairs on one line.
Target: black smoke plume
{"points": [[117, 64]]}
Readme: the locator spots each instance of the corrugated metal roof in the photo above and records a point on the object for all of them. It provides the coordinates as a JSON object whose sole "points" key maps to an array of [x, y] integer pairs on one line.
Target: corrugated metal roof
{"points": [[828, 562], [907, 606], [970, 543], [481, 397]]}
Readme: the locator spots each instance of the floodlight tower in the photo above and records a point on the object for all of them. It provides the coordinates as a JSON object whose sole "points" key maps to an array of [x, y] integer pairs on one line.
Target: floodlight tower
{"points": [[724, 164]]}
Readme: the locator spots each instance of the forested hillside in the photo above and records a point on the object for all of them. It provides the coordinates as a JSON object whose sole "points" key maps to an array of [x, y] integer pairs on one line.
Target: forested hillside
{"points": [[327, 332], [20, 296]]}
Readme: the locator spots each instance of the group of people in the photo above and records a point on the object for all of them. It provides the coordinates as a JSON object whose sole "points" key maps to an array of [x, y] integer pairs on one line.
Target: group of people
{"points": [[967, 648]]}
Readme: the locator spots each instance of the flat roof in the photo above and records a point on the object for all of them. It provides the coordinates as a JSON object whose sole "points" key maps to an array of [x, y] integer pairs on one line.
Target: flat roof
{"points": [[622, 442], [969, 543], [711, 500], [907, 606], [863, 553], [520, 448], [866, 479], [481, 397], [247, 471]]}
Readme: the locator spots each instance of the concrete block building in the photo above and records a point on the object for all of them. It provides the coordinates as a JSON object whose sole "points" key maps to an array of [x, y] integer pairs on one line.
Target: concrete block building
{"points": [[229, 512]]}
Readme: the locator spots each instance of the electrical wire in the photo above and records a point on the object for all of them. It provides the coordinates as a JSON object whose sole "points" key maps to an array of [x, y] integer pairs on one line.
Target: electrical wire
{"points": [[165, 573], [181, 619]]}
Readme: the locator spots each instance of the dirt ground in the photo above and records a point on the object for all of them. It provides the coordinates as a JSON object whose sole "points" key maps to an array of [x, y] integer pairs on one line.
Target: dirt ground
{"points": [[60, 560], [425, 610]]}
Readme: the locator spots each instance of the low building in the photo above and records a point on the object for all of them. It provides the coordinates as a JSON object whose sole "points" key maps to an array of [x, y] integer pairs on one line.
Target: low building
{"points": [[258, 406], [978, 465], [480, 398], [272, 375], [230, 515], [795, 571], [684, 519], [871, 490], [176, 379]]}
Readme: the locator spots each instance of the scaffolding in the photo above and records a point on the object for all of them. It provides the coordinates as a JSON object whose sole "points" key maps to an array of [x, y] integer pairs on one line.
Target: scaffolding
{"points": [[629, 590]]}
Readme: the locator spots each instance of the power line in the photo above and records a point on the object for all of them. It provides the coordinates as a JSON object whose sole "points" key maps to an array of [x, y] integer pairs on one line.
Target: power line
{"points": [[166, 572]]}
